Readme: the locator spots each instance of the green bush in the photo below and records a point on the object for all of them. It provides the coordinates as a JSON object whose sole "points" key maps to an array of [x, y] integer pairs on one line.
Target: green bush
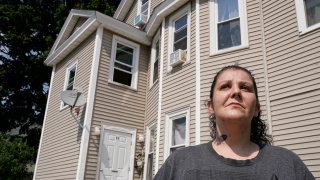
{"points": [[15, 154]]}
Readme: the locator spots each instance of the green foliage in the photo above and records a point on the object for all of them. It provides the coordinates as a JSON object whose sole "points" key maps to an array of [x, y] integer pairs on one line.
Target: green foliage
{"points": [[27, 32], [14, 157]]}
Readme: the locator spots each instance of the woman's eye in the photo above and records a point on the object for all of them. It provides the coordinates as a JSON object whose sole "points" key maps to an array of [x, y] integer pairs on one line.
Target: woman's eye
{"points": [[225, 86], [245, 88]]}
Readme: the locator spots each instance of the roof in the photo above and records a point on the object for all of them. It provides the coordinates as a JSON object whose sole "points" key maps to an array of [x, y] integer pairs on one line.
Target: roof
{"points": [[68, 40]]}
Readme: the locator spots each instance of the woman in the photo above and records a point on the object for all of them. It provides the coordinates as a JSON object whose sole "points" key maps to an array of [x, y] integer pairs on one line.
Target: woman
{"points": [[240, 148]]}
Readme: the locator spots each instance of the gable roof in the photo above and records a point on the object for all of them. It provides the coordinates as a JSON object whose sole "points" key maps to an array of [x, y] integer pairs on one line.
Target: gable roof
{"points": [[68, 41], [123, 9]]}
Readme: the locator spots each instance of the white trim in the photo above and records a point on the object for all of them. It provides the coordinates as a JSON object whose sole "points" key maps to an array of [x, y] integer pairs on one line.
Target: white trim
{"points": [[83, 32], [147, 148], [198, 77], [302, 20], [168, 129], [88, 28], [119, 9], [44, 121], [160, 13], [66, 80], [160, 97], [153, 59], [135, 62], [89, 110], [213, 8], [265, 65], [123, 129], [186, 10]]}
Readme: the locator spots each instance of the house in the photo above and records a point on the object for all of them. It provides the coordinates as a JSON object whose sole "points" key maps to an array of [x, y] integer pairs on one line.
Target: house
{"points": [[146, 74]]}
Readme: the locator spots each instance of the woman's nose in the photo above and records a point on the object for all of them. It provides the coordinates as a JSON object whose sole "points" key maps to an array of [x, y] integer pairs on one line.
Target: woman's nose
{"points": [[236, 93]]}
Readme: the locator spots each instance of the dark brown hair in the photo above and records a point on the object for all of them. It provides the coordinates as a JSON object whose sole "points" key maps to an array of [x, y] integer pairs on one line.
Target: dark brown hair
{"points": [[258, 133]]}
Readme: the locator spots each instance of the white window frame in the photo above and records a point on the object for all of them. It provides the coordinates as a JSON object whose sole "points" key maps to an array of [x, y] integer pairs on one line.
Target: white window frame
{"points": [[302, 19], [169, 119], [147, 146], [135, 62], [66, 80], [186, 10], [140, 6], [214, 28], [154, 58]]}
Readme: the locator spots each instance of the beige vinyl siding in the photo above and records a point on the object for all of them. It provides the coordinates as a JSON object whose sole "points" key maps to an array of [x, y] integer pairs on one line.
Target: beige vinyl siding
{"points": [[58, 158], [68, 32], [79, 23], [178, 89], [154, 3], [132, 14], [116, 104], [294, 81], [251, 58]]}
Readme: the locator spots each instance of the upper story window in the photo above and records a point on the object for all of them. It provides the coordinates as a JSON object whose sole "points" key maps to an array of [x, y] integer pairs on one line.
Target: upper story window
{"points": [[144, 8], [155, 59], [69, 79], [180, 33], [124, 64], [308, 14], [229, 25], [177, 130], [179, 36]]}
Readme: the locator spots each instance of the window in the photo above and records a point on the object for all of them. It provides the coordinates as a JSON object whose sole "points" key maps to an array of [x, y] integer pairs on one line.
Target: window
{"points": [[308, 13], [155, 59], [69, 80], [124, 62], [145, 7], [150, 152], [229, 27], [179, 31], [177, 130]]}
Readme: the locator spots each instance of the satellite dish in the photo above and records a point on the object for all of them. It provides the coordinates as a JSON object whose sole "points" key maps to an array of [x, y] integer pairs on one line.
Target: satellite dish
{"points": [[73, 98]]}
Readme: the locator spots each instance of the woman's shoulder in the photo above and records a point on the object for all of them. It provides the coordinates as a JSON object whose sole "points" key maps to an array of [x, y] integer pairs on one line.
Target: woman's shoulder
{"points": [[280, 152]]}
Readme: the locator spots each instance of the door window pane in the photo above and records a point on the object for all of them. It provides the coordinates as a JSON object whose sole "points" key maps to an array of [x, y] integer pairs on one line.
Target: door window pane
{"points": [[312, 11]]}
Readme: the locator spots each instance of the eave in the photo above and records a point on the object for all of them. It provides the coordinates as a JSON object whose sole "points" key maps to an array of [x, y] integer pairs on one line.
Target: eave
{"points": [[95, 20]]}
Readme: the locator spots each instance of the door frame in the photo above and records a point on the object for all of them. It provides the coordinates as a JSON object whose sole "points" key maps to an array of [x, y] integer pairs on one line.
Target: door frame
{"points": [[123, 129]]}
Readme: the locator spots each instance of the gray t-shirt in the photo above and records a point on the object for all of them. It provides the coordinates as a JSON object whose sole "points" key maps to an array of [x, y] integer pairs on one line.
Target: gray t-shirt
{"points": [[203, 163]]}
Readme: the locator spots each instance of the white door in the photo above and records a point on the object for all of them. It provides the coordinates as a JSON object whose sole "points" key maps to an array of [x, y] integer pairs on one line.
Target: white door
{"points": [[115, 155]]}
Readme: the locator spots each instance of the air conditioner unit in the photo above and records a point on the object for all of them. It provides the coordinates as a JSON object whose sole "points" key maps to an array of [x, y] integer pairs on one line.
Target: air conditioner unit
{"points": [[140, 20], [177, 57]]}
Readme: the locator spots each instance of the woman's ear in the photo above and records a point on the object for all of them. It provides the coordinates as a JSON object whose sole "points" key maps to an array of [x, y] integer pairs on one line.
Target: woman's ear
{"points": [[210, 107]]}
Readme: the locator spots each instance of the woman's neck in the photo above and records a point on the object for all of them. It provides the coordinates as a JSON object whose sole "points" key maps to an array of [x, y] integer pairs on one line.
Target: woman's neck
{"points": [[234, 142]]}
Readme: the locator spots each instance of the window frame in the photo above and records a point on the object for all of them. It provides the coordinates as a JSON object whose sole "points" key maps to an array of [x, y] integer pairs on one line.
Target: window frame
{"points": [[139, 8], [135, 61], [148, 138], [242, 5], [170, 117], [156, 39], [186, 10], [66, 80], [302, 18]]}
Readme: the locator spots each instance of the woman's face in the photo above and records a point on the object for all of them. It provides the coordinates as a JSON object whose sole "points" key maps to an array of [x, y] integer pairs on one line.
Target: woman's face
{"points": [[234, 97]]}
